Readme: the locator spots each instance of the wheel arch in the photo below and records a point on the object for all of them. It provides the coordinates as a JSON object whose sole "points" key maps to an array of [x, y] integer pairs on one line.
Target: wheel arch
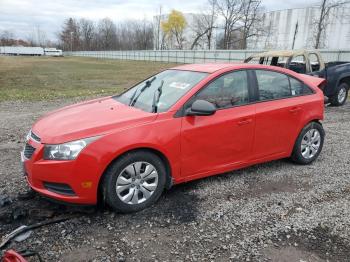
{"points": [[344, 78], [161, 155], [313, 120]]}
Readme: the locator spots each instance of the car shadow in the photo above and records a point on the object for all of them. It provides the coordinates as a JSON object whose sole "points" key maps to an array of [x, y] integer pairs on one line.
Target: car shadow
{"points": [[178, 205]]}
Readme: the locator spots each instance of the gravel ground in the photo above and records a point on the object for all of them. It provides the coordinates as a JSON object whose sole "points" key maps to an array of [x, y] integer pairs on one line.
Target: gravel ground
{"points": [[276, 211]]}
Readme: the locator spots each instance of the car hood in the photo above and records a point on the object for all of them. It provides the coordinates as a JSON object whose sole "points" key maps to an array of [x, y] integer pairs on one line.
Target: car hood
{"points": [[87, 119]]}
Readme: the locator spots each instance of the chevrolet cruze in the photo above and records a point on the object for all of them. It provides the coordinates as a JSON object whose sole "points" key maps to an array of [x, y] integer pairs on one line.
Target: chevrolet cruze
{"points": [[185, 123]]}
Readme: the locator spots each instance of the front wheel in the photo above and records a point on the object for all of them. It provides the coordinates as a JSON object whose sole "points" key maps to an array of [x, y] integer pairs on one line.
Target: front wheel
{"points": [[340, 95], [134, 182], [309, 144]]}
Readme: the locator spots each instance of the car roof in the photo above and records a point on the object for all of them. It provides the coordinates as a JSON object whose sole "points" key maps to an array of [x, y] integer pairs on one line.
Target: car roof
{"points": [[206, 68], [212, 67]]}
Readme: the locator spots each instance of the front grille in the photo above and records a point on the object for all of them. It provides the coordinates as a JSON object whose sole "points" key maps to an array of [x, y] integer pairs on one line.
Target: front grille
{"points": [[28, 151], [35, 137], [59, 188]]}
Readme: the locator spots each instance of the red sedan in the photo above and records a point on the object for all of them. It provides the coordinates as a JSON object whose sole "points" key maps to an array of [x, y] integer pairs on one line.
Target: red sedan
{"points": [[185, 123]]}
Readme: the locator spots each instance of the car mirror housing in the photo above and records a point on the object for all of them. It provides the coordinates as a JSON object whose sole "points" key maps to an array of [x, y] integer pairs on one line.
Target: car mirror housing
{"points": [[201, 108]]}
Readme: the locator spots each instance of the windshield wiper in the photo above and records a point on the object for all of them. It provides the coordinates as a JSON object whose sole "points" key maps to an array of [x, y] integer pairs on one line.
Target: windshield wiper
{"points": [[134, 97], [156, 97]]}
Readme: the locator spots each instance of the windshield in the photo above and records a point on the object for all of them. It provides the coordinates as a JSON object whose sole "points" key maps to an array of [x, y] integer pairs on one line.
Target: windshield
{"points": [[160, 91]]}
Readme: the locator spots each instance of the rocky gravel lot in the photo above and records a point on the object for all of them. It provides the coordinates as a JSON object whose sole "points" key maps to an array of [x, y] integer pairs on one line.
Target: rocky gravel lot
{"points": [[276, 211]]}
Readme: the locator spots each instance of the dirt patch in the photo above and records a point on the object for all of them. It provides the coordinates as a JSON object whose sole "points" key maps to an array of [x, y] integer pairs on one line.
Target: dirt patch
{"points": [[318, 244], [291, 254], [79, 255], [261, 188]]}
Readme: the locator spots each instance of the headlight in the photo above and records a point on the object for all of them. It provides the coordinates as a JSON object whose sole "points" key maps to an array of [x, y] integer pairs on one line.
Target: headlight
{"points": [[66, 151]]}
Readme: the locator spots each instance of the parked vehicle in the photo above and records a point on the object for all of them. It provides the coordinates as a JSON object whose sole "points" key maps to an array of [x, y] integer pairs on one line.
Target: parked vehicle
{"points": [[185, 123], [53, 52], [336, 73], [21, 50], [29, 51]]}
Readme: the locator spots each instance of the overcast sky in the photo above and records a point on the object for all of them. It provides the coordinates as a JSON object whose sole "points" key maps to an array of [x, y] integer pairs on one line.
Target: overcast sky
{"points": [[21, 16]]}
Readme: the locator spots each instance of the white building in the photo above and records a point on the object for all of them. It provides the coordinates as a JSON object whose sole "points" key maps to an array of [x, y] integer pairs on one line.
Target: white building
{"points": [[160, 42], [281, 26]]}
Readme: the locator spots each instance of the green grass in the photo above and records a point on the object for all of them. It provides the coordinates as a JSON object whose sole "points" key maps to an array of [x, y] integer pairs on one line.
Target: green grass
{"points": [[45, 78]]}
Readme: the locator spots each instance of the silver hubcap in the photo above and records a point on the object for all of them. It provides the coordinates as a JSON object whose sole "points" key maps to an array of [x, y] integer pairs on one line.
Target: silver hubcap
{"points": [[136, 183], [341, 95], [310, 143]]}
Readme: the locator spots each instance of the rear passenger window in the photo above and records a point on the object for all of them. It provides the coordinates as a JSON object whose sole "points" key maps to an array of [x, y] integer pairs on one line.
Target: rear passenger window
{"points": [[298, 88], [226, 91], [272, 85]]}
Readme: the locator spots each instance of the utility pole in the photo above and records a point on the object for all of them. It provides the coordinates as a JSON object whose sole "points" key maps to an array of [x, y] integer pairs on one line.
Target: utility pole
{"points": [[158, 27], [295, 34], [320, 24], [71, 41]]}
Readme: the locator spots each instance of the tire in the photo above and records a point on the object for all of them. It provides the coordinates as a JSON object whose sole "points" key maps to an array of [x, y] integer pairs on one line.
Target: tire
{"points": [[306, 143], [132, 173], [340, 95]]}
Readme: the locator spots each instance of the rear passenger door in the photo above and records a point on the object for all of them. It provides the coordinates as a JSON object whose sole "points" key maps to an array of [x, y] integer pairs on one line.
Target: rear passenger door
{"points": [[278, 113]]}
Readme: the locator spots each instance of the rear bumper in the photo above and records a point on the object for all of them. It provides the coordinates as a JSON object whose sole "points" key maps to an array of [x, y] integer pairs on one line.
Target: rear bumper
{"points": [[74, 182]]}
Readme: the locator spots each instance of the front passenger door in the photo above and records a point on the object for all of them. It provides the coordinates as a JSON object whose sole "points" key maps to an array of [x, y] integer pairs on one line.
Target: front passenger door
{"points": [[220, 141]]}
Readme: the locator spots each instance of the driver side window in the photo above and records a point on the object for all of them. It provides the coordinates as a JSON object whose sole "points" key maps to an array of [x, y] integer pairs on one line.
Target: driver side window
{"points": [[226, 91]]}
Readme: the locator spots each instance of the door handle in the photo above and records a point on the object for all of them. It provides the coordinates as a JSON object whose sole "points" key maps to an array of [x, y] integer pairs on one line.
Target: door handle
{"points": [[245, 121], [294, 110]]}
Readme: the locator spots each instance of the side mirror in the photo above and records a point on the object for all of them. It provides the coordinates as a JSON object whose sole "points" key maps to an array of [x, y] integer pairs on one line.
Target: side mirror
{"points": [[201, 108]]}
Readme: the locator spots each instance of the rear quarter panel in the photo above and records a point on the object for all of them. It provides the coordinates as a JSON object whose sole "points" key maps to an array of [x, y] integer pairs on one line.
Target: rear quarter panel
{"points": [[313, 106]]}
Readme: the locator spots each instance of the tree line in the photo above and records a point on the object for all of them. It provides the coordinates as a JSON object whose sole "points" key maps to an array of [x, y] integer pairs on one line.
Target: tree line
{"points": [[85, 34], [236, 25]]}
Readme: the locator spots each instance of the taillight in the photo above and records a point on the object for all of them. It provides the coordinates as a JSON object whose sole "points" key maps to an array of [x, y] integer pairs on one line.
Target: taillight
{"points": [[322, 85]]}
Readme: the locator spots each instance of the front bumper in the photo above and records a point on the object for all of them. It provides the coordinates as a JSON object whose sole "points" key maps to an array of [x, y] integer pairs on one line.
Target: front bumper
{"points": [[74, 181]]}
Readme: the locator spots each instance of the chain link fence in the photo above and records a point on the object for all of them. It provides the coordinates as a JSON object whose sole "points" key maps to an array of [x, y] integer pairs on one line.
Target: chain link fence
{"points": [[195, 56]]}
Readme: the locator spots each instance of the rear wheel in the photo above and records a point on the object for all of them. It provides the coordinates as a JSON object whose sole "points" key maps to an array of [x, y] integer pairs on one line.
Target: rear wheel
{"points": [[309, 144], [340, 95], [134, 182]]}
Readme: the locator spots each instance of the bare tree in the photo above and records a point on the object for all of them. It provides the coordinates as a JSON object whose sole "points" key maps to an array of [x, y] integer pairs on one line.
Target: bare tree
{"points": [[143, 34], [37, 37], [135, 35], [31, 39], [250, 20], [203, 26], [70, 35], [231, 12], [323, 20], [40, 36], [87, 33], [6, 37], [107, 34]]}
